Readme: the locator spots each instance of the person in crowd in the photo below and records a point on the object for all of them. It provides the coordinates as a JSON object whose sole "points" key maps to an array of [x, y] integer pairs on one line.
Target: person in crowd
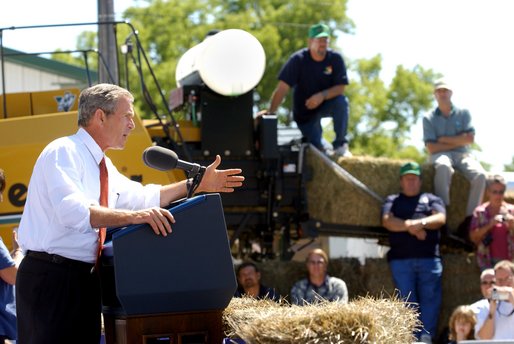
{"points": [[448, 134], [9, 262], [486, 286], [497, 320], [318, 77], [413, 219], [492, 226], [318, 285], [462, 324], [74, 193], [249, 283]]}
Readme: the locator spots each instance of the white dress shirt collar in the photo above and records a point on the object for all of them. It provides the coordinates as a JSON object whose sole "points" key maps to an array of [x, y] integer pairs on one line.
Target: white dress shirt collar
{"points": [[91, 145]]}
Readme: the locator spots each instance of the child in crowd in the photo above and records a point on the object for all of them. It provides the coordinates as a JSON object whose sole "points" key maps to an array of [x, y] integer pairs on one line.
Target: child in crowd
{"points": [[462, 324]]}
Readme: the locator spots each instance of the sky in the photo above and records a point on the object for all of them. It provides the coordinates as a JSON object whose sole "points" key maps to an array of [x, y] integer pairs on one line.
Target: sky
{"points": [[468, 41]]}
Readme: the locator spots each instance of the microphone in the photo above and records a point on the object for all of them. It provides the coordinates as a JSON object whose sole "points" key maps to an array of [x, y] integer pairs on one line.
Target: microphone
{"points": [[164, 159]]}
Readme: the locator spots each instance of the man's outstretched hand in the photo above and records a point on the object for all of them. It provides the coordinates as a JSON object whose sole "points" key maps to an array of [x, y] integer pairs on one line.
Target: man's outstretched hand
{"points": [[215, 180]]}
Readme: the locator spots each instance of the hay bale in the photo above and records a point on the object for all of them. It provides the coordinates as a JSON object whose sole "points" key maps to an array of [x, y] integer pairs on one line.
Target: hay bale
{"points": [[333, 199], [366, 320], [461, 284], [350, 271], [460, 281], [509, 197], [272, 272], [376, 278]]}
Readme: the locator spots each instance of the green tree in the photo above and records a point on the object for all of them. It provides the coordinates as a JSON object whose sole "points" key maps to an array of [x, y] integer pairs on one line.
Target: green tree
{"points": [[87, 43], [172, 27], [380, 115], [509, 167]]}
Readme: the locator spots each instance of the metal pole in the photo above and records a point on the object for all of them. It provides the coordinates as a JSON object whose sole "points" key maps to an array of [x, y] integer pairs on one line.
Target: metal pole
{"points": [[4, 105], [107, 42]]}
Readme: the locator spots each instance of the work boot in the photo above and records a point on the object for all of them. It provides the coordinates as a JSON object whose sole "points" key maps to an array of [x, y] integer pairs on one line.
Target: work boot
{"points": [[343, 151]]}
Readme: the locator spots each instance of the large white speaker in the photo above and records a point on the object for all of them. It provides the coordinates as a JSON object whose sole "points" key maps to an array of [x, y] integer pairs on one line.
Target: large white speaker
{"points": [[230, 63]]}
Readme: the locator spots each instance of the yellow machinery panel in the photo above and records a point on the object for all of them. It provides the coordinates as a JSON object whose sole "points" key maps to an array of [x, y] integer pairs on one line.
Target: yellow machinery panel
{"points": [[18, 104], [190, 133], [55, 101], [23, 139]]}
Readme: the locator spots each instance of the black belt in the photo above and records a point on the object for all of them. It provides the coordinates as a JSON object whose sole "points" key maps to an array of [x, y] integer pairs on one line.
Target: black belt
{"points": [[57, 259]]}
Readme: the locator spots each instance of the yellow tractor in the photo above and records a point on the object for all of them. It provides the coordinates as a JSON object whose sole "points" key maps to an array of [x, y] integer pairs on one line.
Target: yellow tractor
{"points": [[216, 92]]}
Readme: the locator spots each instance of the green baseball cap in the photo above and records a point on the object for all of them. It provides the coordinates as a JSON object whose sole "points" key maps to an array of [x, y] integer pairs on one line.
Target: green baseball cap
{"points": [[319, 30], [410, 168]]}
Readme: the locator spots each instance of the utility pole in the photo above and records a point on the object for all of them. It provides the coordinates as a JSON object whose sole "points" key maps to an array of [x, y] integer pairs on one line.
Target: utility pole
{"points": [[108, 72]]}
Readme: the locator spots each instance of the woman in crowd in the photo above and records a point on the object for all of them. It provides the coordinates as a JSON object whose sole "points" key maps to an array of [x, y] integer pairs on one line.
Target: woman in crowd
{"points": [[318, 285], [492, 226]]}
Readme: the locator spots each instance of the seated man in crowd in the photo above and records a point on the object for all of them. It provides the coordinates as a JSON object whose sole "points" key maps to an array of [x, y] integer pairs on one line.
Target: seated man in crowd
{"points": [[497, 320], [448, 133], [318, 285], [249, 283], [413, 219], [318, 77]]}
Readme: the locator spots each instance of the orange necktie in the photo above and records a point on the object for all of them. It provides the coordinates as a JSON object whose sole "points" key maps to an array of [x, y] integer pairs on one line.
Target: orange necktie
{"points": [[104, 201]]}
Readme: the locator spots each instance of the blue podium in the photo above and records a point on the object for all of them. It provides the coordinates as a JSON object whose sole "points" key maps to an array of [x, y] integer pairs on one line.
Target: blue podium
{"points": [[182, 281]]}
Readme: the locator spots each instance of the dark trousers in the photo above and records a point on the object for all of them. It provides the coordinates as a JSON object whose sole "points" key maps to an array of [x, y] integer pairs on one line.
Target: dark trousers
{"points": [[57, 302]]}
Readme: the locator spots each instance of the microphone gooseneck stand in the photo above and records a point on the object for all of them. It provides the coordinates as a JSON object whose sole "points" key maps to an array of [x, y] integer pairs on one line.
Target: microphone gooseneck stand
{"points": [[194, 177]]}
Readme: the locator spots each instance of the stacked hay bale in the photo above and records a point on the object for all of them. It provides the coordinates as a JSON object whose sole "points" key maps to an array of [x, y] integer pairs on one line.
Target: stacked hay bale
{"points": [[461, 278], [509, 197], [334, 199], [365, 320]]}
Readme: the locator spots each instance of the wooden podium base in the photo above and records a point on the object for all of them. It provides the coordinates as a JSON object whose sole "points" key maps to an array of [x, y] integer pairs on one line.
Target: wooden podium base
{"points": [[174, 328]]}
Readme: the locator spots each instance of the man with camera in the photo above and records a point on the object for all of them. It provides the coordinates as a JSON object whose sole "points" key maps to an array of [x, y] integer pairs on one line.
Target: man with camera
{"points": [[497, 321]]}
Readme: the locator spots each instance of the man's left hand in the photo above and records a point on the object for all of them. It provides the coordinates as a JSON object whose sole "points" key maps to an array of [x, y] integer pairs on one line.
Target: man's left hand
{"points": [[415, 228], [314, 101], [215, 180]]}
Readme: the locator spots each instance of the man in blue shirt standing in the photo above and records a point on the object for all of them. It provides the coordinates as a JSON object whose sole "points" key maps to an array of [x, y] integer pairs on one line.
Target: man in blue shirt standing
{"points": [[318, 77], [413, 219]]}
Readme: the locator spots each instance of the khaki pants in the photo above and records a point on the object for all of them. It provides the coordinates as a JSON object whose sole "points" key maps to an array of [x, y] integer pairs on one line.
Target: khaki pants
{"points": [[444, 164]]}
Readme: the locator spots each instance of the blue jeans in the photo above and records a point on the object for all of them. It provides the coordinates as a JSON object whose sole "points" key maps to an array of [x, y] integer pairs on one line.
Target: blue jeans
{"points": [[419, 281], [337, 108]]}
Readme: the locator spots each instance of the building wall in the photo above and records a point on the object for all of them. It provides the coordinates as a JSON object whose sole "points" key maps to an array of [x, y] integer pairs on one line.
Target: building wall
{"points": [[21, 78]]}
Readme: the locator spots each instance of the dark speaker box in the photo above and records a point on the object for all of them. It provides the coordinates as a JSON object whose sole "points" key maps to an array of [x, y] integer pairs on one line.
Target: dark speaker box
{"points": [[189, 270], [268, 137], [227, 124]]}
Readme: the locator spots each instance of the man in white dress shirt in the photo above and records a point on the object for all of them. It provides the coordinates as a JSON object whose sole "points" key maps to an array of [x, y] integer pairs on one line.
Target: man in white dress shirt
{"points": [[57, 289]]}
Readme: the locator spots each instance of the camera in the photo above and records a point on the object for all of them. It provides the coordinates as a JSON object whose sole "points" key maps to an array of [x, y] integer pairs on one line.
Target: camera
{"points": [[499, 295], [500, 218]]}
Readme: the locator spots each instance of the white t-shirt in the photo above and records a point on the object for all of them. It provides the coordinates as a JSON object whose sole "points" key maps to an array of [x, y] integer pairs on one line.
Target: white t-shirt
{"points": [[503, 318]]}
